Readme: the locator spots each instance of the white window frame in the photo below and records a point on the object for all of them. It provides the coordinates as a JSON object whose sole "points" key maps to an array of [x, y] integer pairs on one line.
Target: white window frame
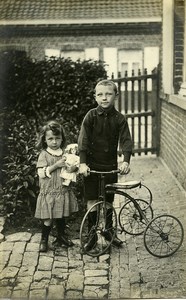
{"points": [[168, 44], [178, 100]]}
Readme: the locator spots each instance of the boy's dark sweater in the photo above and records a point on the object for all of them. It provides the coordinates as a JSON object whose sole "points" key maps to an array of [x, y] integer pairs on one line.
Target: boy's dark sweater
{"points": [[100, 133]]}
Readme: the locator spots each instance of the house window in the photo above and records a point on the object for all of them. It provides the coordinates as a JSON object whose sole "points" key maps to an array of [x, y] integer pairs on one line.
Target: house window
{"points": [[124, 68], [151, 58], [73, 55], [129, 60], [92, 53], [151, 61], [135, 67], [110, 58], [52, 53], [89, 53]]}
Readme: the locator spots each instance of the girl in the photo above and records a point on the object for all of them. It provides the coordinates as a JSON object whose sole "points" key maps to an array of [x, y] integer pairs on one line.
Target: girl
{"points": [[55, 201]]}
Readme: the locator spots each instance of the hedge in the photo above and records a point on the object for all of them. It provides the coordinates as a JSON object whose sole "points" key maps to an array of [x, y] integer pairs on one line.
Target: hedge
{"points": [[31, 93]]}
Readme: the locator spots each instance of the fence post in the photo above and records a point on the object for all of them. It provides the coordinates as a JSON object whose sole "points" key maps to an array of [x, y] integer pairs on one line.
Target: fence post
{"points": [[119, 91], [132, 107], [156, 112], [126, 94], [139, 110], [146, 109]]}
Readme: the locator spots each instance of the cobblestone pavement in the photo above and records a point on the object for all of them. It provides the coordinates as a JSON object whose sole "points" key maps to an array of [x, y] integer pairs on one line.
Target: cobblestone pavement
{"points": [[129, 272], [134, 272]]}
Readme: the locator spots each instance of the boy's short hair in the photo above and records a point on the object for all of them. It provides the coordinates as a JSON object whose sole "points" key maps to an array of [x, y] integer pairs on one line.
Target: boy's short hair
{"points": [[107, 82]]}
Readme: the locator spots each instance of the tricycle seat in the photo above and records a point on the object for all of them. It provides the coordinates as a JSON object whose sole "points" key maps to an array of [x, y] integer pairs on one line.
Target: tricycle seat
{"points": [[124, 185]]}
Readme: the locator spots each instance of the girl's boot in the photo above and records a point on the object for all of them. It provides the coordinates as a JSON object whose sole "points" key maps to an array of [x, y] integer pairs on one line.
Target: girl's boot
{"points": [[62, 238], [92, 235], [44, 238]]}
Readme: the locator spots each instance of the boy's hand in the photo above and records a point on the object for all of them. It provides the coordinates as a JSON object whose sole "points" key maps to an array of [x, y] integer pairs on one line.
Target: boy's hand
{"points": [[124, 168], [84, 169]]}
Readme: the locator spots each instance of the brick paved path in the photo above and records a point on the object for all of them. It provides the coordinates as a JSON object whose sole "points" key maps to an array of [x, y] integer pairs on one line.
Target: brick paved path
{"points": [[134, 273], [130, 272]]}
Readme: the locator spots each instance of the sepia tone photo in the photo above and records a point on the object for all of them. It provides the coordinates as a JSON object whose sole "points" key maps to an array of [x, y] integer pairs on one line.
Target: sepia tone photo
{"points": [[93, 149]]}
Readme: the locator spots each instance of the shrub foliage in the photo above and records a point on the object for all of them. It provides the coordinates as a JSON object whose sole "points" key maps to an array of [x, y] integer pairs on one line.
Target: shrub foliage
{"points": [[31, 93]]}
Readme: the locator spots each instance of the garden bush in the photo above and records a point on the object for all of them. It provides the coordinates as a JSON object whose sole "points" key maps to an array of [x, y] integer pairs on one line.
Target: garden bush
{"points": [[19, 180], [32, 93]]}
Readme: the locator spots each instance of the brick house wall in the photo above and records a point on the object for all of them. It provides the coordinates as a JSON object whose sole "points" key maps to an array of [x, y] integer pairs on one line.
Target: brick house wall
{"points": [[35, 46], [35, 39], [178, 43], [173, 105], [173, 140]]}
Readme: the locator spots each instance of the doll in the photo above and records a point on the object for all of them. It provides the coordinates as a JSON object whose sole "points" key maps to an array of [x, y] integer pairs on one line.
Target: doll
{"points": [[72, 159]]}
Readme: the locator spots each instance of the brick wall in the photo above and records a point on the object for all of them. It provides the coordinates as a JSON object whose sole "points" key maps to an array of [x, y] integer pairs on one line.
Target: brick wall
{"points": [[179, 16], [173, 140], [35, 46]]}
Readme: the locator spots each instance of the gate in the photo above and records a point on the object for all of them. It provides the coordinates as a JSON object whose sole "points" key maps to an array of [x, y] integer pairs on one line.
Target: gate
{"points": [[139, 101]]}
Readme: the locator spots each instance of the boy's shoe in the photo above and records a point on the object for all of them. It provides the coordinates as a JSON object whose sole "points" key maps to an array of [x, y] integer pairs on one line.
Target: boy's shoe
{"points": [[108, 236], [66, 241], [92, 241], [63, 240], [56, 243]]}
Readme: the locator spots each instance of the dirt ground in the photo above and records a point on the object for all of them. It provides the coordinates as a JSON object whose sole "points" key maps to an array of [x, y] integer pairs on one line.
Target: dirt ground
{"points": [[33, 225]]}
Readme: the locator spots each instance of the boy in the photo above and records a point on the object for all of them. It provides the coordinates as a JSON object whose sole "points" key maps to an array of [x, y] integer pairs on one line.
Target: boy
{"points": [[102, 129]]}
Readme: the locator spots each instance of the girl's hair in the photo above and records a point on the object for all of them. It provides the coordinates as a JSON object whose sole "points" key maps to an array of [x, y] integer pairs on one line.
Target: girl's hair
{"points": [[107, 82], [56, 128]]}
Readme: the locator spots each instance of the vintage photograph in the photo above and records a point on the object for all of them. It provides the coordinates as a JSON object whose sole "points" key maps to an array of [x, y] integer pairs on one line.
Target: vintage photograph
{"points": [[92, 149]]}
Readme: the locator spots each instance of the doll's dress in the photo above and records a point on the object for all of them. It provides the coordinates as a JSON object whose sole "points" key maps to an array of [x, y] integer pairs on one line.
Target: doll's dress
{"points": [[54, 200], [71, 160]]}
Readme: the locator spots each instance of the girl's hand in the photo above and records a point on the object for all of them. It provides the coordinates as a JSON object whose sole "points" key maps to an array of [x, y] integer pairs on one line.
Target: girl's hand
{"points": [[61, 163]]}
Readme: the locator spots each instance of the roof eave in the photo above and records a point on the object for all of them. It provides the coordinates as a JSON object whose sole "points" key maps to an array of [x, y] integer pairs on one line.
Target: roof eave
{"points": [[80, 21]]}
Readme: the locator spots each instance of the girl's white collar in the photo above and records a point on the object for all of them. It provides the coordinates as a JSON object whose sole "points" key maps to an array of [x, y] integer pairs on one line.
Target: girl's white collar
{"points": [[55, 152]]}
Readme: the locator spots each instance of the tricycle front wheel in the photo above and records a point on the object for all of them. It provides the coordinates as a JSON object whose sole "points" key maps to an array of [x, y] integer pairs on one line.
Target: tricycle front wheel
{"points": [[98, 229]]}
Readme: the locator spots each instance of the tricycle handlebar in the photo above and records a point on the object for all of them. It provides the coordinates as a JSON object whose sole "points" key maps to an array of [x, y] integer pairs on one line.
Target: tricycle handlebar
{"points": [[104, 172]]}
